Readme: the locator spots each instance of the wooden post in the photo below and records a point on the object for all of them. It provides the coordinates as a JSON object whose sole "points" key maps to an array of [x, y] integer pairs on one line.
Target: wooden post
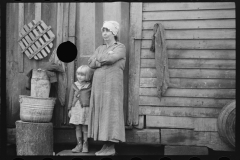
{"points": [[34, 138], [20, 26], [134, 62], [70, 66]]}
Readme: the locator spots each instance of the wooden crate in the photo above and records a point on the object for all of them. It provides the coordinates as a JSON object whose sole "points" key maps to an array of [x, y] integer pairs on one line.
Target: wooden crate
{"points": [[36, 40]]}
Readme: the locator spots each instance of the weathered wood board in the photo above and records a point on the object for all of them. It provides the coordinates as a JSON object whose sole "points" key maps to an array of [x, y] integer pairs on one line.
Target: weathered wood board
{"points": [[191, 73], [198, 124], [192, 83], [146, 136], [134, 61], [193, 14], [185, 150], [194, 34], [191, 24], [184, 102], [193, 138], [192, 63], [141, 122], [179, 92], [195, 44], [179, 111], [169, 122], [187, 6], [191, 53]]}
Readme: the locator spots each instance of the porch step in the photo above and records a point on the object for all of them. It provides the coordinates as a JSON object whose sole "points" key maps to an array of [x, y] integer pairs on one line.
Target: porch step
{"points": [[69, 153]]}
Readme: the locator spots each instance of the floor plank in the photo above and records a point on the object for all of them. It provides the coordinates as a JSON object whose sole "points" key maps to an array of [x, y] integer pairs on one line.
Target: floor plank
{"points": [[185, 150]]}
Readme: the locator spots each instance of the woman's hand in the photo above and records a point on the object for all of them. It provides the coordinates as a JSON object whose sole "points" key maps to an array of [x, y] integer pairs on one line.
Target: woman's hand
{"points": [[98, 64], [110, 52], [94, 63], [69, 113], [91, 59]]}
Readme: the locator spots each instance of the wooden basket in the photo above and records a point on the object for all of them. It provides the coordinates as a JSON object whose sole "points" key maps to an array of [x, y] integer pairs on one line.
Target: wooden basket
{"points": [[36, 39]]}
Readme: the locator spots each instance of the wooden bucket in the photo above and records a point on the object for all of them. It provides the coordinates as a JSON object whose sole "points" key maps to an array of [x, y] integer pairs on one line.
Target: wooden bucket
{"points": [[226, 123], [35, 109], [40, 84]]}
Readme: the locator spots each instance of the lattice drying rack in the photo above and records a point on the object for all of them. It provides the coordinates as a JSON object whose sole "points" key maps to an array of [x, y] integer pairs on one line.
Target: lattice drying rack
{"points": [[36, 39]]}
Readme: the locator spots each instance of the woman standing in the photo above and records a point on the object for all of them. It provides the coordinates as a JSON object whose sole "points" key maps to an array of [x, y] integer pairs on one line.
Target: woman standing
{"points": [[106, 121]]}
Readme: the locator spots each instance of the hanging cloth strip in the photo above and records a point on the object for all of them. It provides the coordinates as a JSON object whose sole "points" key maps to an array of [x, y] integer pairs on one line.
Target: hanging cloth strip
{"points": [[61, 77], [161, 59]]}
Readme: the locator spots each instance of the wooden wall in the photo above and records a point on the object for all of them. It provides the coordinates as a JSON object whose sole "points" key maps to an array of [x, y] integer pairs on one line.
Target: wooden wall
{"points": [[79, 23], [201, 40]]}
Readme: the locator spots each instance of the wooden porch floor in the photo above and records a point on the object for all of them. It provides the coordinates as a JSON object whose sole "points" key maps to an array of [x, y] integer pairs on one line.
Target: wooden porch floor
{"points": [[120, 150]]}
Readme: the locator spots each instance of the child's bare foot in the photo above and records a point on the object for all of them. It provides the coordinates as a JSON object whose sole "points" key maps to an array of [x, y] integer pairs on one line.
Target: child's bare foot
{"points": [[85, 147], [78, 148]]}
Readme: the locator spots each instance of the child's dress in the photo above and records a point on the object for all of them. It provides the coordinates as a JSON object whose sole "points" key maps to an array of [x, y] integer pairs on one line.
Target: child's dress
{"points": [[79, 115]]}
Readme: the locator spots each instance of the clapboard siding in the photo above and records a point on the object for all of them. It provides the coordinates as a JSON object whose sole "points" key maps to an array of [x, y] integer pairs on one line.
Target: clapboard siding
{"points": [[183, 102], [195, 44], [191, 73], [193, 83], [192, 24], [187, 6], [169, 122], [192, 14], [192, 63], [194, 34], [176, 92], [198, 124], [179, 111], [189, 54], [201, 43]]}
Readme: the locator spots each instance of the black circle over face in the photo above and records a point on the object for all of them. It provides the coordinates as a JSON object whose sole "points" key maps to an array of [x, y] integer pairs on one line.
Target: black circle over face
{"points": [[67, 52]]}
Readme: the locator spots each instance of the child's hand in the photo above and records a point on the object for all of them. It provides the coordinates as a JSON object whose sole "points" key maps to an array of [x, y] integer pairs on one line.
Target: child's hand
{"points": [[69, 113]]}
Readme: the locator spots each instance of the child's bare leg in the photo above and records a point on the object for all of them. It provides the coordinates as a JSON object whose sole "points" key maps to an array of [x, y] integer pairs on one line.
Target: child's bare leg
{"points": [[85, 129], [79, 133], [78, 148], [85, 144]]}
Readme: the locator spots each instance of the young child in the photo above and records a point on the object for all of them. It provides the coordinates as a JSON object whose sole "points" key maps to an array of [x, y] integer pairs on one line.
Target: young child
{"points": [[78, 106]]}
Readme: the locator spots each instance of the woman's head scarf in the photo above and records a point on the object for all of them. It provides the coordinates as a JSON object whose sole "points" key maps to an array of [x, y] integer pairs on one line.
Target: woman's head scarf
{"points": [[113, 26]]}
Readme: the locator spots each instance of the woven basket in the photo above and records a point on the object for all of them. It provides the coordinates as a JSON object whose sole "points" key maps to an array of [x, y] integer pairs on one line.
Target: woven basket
{"points": [[35, 109]]}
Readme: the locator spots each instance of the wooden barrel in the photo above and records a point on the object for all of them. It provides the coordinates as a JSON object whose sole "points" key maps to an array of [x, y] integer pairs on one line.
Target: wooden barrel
{"points": [[226, 123]]}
